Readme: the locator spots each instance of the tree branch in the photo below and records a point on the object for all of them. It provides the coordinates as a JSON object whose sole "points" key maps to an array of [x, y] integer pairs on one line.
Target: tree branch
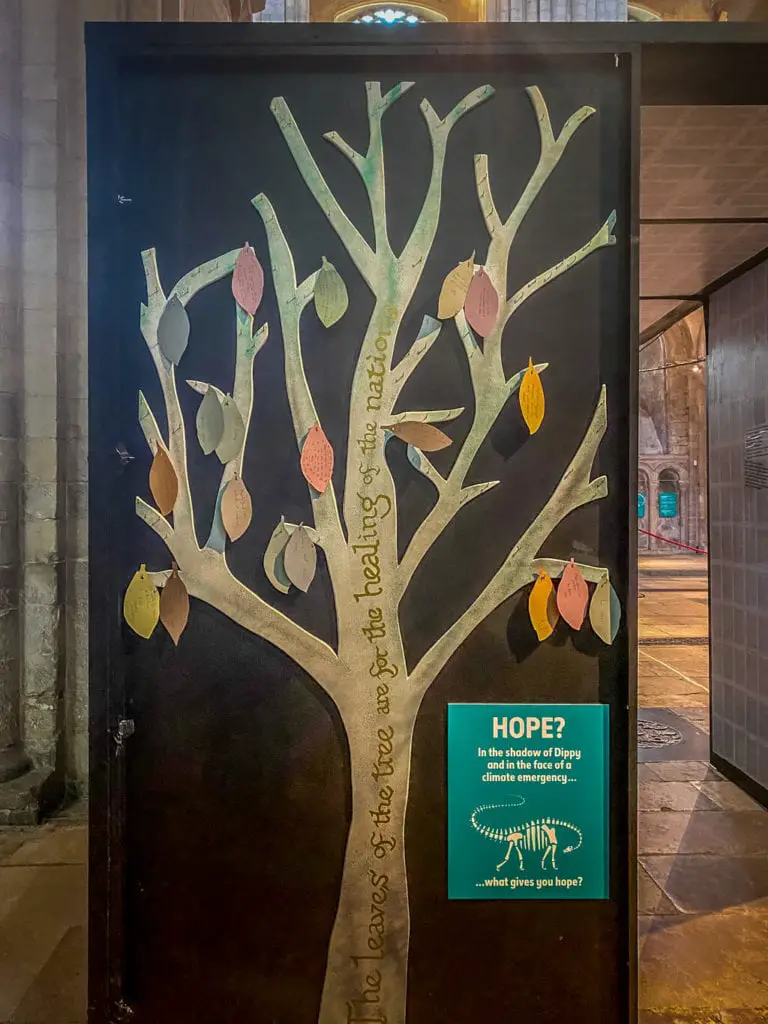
{"points": [[429, 416], [574, 490]]}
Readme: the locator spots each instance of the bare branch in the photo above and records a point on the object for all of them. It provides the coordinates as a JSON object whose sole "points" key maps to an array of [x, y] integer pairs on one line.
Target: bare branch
{"points": [[485, 195], [356, 159], [474, 491], [415, 354], [430, 416], [554, 567], [421, 463], [574, 490]]}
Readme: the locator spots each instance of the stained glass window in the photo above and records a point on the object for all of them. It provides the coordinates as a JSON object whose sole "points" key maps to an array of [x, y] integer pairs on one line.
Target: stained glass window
{"points": [[388, 16]]}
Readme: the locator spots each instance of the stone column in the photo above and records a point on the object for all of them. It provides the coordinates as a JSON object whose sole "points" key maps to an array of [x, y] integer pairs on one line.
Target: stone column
{"points": [[556, 10]]}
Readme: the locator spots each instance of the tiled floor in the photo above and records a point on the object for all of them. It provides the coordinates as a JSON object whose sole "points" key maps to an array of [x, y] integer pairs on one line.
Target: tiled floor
{"points": [[703, 872]]}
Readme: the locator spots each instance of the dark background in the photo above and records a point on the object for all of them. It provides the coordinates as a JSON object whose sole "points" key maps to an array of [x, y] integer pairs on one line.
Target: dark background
{"points": [[236, 791]]}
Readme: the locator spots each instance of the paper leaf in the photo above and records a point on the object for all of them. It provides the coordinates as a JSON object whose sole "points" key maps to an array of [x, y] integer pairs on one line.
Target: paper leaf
{"points": [[210, 422], [174, 606], [141, 604], [605, 611], [236, 508], [317, 459], [274, 558], [163, 482], [331, 299], [428, 326], [217, 541], [572, 596], [481, 305], [454, 289], [314, 536], [233, 433], [173, 330], [300, 559], [532, 398], [248, 280], [542, 606], [423, 436]]}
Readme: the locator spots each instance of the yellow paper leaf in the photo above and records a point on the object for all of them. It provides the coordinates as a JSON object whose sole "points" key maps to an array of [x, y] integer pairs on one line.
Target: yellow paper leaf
{"points": [[423, 436], [236, 508], [454, 290], [273, 558], [542, 606], [605, 611], [532, 398], [163, 482], [141, 604], [331, 299], [174, 606]]}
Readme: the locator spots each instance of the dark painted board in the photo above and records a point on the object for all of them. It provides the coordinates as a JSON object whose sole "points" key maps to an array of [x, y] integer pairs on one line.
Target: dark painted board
{"points": [[237, 792]]}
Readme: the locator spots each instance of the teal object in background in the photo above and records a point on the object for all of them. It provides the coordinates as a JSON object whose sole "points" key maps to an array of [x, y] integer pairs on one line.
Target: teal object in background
{"points": [[667, 504], [641, 506], [528, 801]]}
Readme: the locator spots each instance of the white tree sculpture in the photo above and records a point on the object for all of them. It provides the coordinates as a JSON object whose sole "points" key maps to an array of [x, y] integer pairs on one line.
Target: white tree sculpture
{"points": [[376, 692]]}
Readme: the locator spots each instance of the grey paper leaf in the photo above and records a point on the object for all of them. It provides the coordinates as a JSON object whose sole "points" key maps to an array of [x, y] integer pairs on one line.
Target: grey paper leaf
{"points": [[331, 299], [218, 538], [428, 326], [210, 422], [300, 559], [274, 567], [233, 433], [173, 330]]}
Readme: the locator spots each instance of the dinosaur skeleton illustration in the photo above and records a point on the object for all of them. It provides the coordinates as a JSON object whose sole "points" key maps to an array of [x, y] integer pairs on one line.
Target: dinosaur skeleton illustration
{"points": [[540, 835]]}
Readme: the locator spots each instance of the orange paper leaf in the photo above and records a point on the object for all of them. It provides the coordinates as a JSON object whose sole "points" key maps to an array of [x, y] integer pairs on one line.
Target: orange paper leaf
{"points": [[454, 289], [248, 280], [163, 482], [423, 436], [236, 508], [317, 459], [573, 596], [174, 606], [542, 607], [532, 398], [481, 305]]}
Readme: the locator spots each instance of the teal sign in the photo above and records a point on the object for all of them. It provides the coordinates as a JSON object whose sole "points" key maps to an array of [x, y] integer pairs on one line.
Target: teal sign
{"points": [[641, 506], [527, 801], [667, 504]]}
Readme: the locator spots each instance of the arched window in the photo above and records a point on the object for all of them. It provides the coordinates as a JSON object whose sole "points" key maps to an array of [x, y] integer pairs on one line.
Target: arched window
{"points": [[669, 494], [399, 14]]}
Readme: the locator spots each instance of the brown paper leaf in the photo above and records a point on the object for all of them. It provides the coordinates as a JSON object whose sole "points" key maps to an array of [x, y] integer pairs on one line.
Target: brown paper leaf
{"points": [[233, 434], [274, 566], [141, 604], [300, 559], [331, 299], [163, 482], [210, 422], [173, 330], [423, 436], [572, 596], [481, 305], [236, 508], [605, 611], [248, 280], [532, 399], [454, 289], [317, 459], [174, 606], [542, 606]]}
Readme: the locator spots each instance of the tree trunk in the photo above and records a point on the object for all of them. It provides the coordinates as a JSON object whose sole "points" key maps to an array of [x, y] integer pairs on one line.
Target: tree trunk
{"points": [[366, 974]]}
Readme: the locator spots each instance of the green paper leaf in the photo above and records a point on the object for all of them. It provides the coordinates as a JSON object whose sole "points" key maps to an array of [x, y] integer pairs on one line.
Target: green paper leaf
{"points": [[233, 432], [331, 299], [210, 422], [173, 330], [300, 559], [274, 567]]}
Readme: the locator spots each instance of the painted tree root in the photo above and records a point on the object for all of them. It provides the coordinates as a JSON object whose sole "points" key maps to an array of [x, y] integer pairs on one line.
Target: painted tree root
{"points": [[366, 977]]}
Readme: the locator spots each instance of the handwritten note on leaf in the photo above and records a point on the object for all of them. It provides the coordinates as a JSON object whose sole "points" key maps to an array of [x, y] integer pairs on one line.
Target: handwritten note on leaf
{"points": [[423, 436], [248, 280], [233, 433], [331, 299], [163, 482], [274, 556], [317, 459], [173, 330], [542, 606], [605, 611], [532, 398], [210, 422], [572, 596], [300, 559], [454, 290], [481, 305], [236, 508], [141, 604], [174, 606]]}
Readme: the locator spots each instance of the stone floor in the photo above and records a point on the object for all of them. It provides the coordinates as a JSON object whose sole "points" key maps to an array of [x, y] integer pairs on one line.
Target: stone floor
{"points": [[703, 852]]}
